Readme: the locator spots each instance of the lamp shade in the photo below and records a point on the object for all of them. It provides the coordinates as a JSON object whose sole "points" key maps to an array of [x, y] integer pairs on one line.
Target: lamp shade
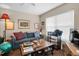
{"points": [[5, 16], [9, 25]]}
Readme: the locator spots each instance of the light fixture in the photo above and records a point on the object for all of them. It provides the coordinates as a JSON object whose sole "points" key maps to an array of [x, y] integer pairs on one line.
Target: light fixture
{"points": [[9, 25], [5, 17]]}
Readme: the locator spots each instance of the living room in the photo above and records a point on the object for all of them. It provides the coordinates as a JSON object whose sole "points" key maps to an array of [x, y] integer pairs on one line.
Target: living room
{"points": [[38, 29]]}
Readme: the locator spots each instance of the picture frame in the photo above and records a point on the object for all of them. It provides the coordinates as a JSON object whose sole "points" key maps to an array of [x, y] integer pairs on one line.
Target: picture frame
{"points": [[42, 23], [23, 24], [36, 25]]}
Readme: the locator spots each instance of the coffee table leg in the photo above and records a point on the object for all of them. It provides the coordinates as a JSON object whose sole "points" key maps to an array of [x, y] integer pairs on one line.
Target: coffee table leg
{"points": [[20, 52]]}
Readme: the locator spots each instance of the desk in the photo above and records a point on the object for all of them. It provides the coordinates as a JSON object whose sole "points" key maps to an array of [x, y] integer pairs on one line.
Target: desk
{"points": [[43, 44]]}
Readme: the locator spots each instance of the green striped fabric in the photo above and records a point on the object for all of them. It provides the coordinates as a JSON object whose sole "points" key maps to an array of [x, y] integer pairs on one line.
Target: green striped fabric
{"points": [[5, 47]]}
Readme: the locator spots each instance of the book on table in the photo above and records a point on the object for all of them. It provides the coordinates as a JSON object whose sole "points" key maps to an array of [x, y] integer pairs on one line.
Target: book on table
{"points": [[27, 44], [28, 49]]}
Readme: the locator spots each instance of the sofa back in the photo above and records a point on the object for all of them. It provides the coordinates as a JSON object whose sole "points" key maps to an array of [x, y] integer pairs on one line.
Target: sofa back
{"points": [[35, 35], [30, 35]]}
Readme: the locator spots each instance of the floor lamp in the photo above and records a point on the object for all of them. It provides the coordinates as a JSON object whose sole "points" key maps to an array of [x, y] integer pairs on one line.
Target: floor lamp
{"points": [[5, 17]]}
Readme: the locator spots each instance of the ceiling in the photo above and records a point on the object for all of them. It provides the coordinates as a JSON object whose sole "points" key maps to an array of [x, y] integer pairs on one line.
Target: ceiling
{"points": [[33, 8]]}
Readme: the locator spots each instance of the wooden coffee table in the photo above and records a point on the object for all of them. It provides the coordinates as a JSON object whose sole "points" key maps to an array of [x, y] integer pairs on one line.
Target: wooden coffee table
{"points": [[35, 45]]}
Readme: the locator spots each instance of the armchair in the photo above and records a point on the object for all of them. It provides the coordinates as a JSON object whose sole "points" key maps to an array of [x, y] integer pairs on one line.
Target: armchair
{"points": [[56, 37]]}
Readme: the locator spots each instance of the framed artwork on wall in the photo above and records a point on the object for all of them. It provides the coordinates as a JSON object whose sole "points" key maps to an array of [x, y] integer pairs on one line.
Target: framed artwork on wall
{"points": [[42, 23], [36, 25], [23, 24]]}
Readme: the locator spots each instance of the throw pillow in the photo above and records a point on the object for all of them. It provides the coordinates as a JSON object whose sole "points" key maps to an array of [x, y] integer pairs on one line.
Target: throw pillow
{"points": [[30, 35], [19, 35]]}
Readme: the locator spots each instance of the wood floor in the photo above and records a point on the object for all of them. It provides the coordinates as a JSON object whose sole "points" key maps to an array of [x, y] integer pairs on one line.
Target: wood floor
{"points": [[17, 52], [58, 53]]}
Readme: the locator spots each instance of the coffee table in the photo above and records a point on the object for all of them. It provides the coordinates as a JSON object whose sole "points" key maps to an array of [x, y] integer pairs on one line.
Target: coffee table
{"points": [[33, 46]]}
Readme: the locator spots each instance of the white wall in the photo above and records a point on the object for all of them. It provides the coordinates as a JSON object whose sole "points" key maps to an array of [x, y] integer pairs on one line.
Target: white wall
{"points": [[2, 27], [15, 15]]}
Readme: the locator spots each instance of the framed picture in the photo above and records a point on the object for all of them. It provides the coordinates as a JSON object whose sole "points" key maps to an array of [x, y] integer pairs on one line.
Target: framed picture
{"points": [[22, 24], [36, 25], [42, 22]]}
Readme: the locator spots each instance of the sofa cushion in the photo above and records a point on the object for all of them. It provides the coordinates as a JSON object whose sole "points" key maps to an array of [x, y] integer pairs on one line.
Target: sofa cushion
{"points": [[25, 35], [37, 35], [23, 40], [19, 35], [30, 35]]}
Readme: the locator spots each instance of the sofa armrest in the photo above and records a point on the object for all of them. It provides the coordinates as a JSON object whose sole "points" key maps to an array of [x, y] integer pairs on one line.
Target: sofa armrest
{"points": [[14, 43], [13, 39]]}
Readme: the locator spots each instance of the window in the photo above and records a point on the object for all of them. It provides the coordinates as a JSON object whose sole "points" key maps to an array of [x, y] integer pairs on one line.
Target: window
{"points": [[63, 22], [50, 24]]}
